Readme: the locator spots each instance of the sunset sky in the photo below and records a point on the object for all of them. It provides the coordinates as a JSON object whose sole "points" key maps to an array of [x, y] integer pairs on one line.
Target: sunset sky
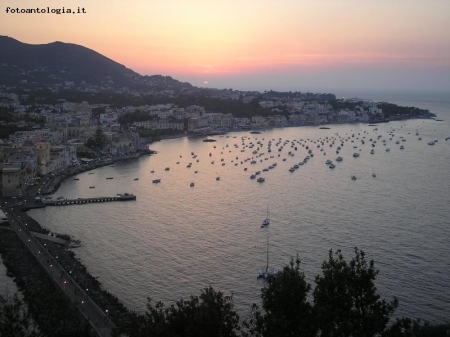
{"points": [[316, 45]]}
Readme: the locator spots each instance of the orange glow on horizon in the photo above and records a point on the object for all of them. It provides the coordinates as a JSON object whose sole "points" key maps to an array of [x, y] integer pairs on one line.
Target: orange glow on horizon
{"points": [[307, 62], [223, 38]]}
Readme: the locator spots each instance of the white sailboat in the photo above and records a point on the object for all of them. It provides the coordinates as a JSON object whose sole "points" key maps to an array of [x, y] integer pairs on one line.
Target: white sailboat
{"points": [[266, 273], [266, 221]]}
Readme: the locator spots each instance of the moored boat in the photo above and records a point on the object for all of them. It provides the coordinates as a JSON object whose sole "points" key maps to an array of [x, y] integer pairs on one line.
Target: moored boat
{"points": [[266, 221], [266, 273]]}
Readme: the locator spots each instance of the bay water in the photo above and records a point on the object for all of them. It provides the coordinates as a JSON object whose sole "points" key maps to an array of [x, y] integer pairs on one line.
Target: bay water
{"points": [[176, 239]]}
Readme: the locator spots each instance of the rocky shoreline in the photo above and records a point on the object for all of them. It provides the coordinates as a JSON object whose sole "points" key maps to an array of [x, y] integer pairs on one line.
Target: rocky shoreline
{"points": [[47, 305], [53, 312]]}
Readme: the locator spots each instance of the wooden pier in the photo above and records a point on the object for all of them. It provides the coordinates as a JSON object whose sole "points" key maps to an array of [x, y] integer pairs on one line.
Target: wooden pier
{"points": [[66, 202]]}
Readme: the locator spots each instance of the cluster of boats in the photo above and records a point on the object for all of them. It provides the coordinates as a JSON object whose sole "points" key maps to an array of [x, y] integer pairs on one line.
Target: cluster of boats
{"points": [[262, 150], [297, 166]]}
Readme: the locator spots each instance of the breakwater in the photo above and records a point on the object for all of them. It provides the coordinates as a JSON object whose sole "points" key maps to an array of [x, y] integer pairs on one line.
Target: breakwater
{"points": [[46, 304], [50, 309], [78, 201]]}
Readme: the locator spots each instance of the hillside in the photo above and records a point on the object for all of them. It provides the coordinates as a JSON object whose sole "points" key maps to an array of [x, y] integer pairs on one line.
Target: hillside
{"points": [[57, 63]]}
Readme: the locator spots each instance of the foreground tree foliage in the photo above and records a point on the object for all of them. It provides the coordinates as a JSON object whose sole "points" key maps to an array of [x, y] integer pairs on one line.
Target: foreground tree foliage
{"points": [[210, 314], [286, 311], [15, 320], [346, 302]]}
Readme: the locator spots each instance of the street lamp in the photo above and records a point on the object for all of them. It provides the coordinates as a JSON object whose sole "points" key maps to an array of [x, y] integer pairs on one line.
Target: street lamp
{"points": [[64, 286], [106, 313]]}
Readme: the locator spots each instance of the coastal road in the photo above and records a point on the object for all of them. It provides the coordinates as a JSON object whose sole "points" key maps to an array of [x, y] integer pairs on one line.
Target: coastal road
{"points": [[97, 317]]}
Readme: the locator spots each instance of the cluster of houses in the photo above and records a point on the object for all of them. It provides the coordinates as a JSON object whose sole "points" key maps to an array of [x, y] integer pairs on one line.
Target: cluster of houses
{"points": [[284, 113], [60, 131]]}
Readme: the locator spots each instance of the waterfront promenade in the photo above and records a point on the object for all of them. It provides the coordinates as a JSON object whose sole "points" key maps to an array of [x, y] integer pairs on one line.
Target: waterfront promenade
{"points": [[97, 317]]}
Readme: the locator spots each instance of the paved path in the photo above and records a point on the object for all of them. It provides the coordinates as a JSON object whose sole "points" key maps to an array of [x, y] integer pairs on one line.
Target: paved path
{"points": [[98, 318], [51, 238]]}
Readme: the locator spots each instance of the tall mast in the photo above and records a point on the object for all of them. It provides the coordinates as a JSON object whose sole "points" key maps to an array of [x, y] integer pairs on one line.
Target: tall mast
{"points": [[267, 267]]}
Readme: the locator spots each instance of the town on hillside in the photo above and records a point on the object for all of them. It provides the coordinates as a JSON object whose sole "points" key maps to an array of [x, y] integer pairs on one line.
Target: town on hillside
{"points": [[39, 138]]}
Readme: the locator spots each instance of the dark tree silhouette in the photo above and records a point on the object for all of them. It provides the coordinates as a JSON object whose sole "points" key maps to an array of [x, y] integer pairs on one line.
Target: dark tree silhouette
{"points": [[208, 315], [286, 309], [346, 302]]}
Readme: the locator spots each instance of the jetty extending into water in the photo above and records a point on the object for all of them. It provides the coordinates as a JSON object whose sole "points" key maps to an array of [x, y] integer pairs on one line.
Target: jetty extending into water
{"points": [[95, 314], [78, 201]]}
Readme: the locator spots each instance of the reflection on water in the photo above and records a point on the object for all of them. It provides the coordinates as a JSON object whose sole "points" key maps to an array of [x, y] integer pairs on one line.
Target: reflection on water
{"points": [[176, 239]]}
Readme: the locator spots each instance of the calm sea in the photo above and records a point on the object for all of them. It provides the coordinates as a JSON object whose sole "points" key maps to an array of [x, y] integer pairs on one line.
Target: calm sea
{"points": [[177, 239]]}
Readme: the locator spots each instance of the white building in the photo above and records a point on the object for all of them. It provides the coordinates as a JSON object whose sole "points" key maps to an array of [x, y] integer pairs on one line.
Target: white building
{"points": [[109, 118]]}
